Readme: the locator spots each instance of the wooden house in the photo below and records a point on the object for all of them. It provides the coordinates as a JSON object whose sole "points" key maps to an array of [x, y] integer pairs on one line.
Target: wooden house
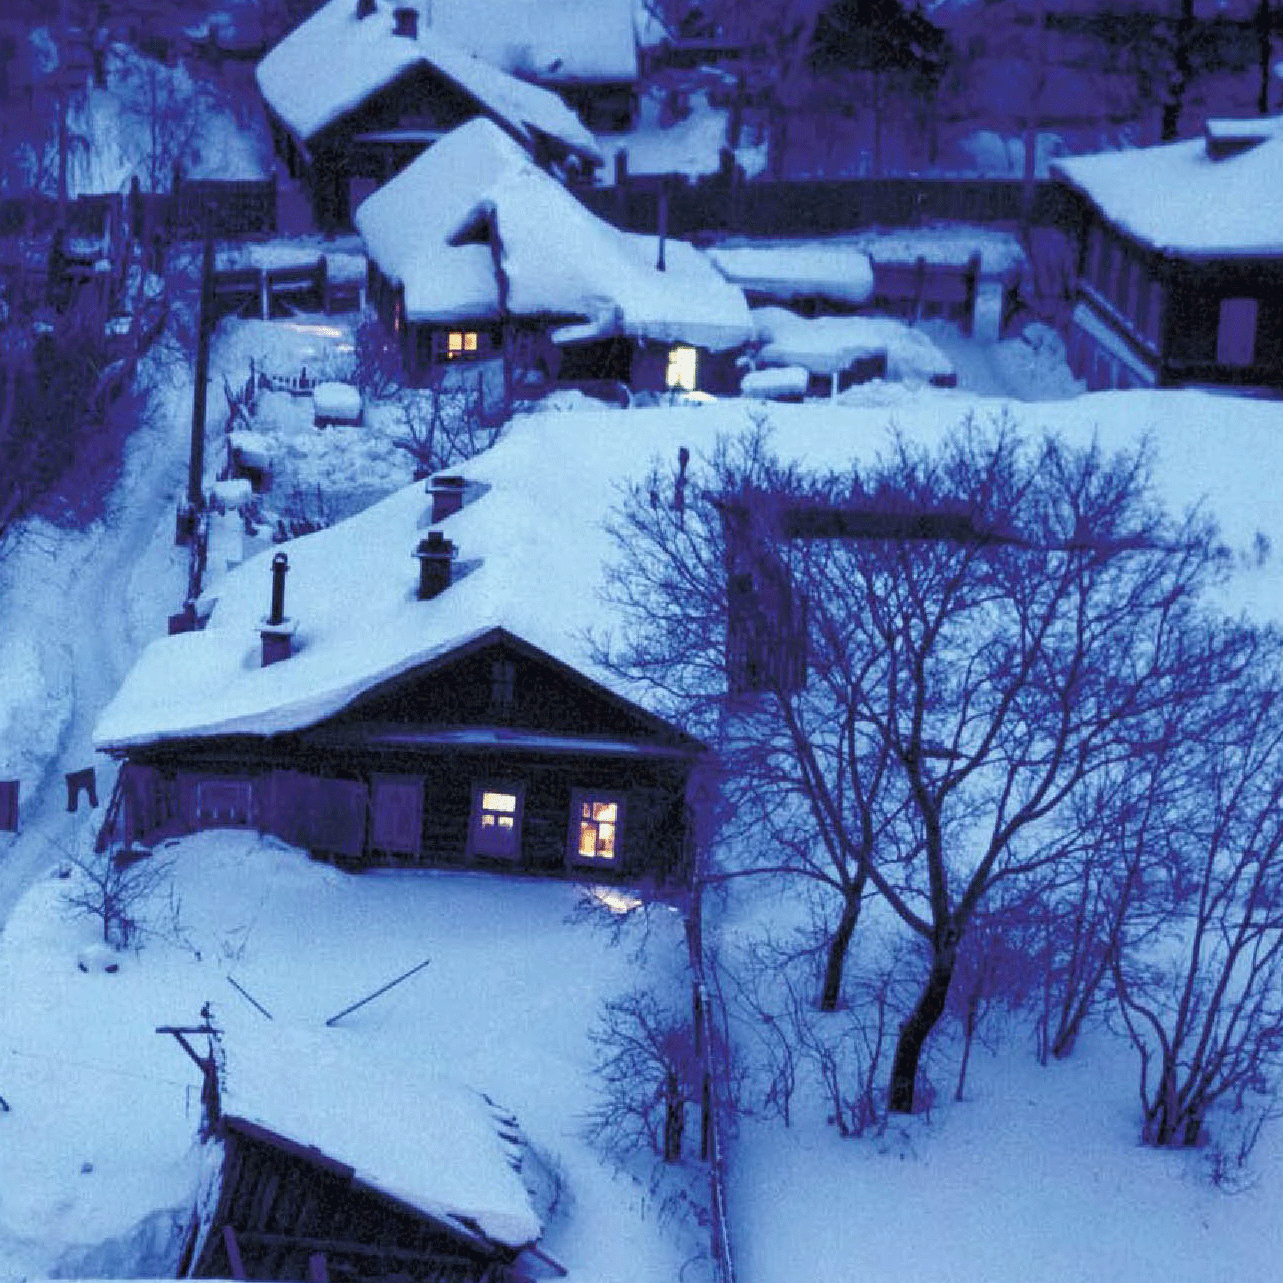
{"points": [[401, 717], [475, 253], [361, 88], [1180, 261]]}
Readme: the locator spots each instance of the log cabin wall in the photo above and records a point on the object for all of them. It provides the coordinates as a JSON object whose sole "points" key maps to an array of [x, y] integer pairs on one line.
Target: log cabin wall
{"points": [[401, 775]]}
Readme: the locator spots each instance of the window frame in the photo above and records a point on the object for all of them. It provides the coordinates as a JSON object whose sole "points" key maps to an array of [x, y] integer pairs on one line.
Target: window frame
{"points": [[477, 846], [1236, 343], [581, 797]]}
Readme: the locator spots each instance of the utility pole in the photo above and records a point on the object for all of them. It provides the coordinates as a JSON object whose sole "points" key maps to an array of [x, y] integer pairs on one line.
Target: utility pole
{"points": [[188, 514]]}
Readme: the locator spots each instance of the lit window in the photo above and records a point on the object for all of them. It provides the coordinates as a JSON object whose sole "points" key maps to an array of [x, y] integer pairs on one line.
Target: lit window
{"points": [[498, 810], [594, 827], [682, 364], [461, 342], [496, 823]]}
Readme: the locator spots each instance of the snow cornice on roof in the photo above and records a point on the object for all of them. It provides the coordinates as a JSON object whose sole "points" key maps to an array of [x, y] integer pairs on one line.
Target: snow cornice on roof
{"points": [[1217, 196], [363, 55]]}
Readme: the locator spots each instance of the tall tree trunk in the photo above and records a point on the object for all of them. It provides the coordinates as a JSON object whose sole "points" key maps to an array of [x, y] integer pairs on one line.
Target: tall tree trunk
{"points": [[839, 944], [1264, 32], [921, 1021], [1181, 68]]}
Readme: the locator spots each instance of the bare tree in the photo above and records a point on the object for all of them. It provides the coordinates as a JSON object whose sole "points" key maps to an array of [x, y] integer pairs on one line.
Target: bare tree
{"points": [[982, 625], [647, 1069], [115, 888], [1203, 1002]]}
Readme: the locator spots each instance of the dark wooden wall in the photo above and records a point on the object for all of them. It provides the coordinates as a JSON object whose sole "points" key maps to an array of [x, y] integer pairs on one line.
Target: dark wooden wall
{"points": [[285, 1205]]}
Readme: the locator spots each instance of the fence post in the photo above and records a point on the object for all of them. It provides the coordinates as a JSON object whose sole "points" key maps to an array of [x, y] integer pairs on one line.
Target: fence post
{"points": [[973, 292]]}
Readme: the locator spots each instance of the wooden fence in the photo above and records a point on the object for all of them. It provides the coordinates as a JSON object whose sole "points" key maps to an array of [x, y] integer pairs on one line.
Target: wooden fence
{"points": [[268, 293], [727, 202], [191, 211]]}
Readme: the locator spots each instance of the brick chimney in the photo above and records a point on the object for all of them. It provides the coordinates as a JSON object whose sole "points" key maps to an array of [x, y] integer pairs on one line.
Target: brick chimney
{"points": [[405, 22], [277, 630], [366, 8], [447, 496], [435, 553]]}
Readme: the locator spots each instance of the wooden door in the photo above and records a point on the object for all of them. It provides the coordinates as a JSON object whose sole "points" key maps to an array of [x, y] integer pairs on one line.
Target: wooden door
{"points": [[396, 814]]}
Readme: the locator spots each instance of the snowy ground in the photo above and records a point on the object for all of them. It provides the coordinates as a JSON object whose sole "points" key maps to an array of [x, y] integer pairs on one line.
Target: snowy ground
{"points": [[99, 1164], [1038, 1173]]}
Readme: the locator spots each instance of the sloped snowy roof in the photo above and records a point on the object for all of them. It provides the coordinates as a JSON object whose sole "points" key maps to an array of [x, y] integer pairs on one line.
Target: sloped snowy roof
{"points": [[333, 62], [427, 1141], [553, 41], [558, 257], [1181, 199], [539, 559]]}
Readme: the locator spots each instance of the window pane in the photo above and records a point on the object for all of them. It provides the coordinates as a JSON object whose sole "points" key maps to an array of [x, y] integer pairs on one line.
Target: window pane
{"points": [[456, 341], [499, 802], [1236, 337], [587, 840], [605, 811], [470, 342]]}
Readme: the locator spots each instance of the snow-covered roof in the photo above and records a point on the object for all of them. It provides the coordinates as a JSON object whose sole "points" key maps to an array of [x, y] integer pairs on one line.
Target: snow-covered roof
{"points": [[426, 1141], [538, 559], [1217, 196], [557, 257], [335, 61], [839, 272], [552, 41]]}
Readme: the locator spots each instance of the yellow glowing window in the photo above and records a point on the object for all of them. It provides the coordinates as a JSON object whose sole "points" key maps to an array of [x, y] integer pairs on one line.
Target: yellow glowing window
{"points": [[461, 341], [595, 828], [682, 365], [498, 810]]}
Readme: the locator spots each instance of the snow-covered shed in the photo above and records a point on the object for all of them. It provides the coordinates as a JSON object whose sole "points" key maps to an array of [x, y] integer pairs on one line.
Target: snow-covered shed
{"points": [[476, 252], [362, 87], [377, 710], [1180, 269], [328, 1151]]}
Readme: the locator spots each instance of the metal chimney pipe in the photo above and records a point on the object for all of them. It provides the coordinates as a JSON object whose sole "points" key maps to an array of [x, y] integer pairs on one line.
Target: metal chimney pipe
{"points": [[280, 564]]}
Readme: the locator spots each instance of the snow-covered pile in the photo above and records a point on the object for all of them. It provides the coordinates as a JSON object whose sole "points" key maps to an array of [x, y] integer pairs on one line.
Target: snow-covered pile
{"points": [[831, 344], [837, 272], [556, 257]]}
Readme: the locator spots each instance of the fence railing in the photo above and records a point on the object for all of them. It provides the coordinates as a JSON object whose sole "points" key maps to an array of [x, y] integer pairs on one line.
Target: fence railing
{"points": [[191, 211], [710, 1055], [727, 202]]}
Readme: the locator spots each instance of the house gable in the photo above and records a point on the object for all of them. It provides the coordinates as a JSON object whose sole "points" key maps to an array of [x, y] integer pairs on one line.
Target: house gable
{"points": [[500, 681]]}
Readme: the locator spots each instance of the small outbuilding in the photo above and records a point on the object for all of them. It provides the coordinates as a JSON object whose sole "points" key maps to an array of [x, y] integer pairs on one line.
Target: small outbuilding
{"points": [[1180, 260], [336, 1164]]}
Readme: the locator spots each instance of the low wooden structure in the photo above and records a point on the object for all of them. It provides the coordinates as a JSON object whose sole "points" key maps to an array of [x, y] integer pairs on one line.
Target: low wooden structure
{"points": [[288, 1211]]}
